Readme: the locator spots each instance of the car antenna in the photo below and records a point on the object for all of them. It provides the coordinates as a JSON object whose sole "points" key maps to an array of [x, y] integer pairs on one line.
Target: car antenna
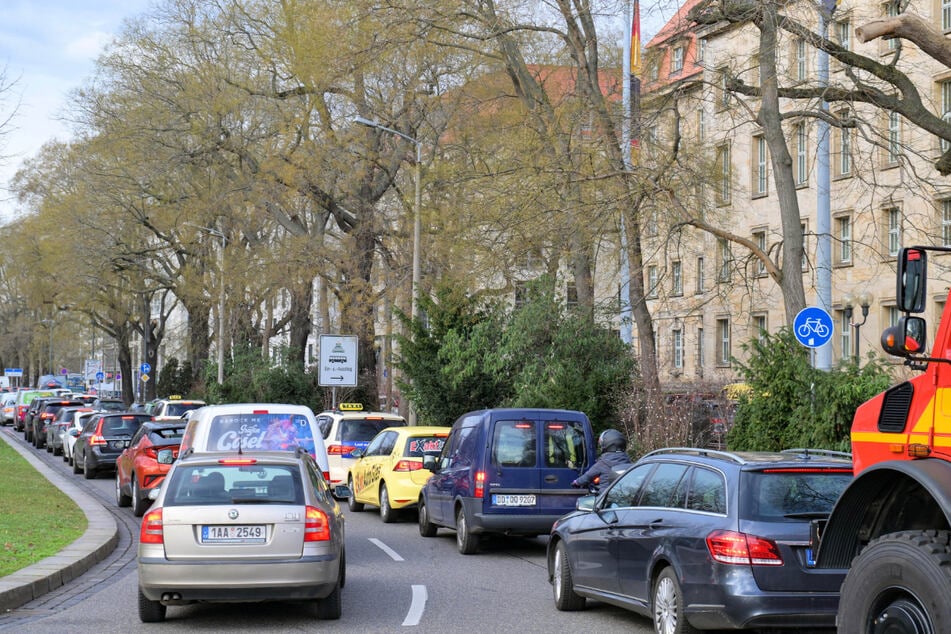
{"points": [[239, 447]]}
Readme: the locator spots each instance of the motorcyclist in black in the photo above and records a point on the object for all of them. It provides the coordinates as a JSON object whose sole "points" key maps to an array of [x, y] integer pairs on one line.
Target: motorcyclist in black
{"points": [[613, 447]]}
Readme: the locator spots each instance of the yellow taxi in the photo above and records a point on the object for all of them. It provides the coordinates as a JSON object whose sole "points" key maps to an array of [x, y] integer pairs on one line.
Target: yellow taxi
{"points": [[389, 473]]}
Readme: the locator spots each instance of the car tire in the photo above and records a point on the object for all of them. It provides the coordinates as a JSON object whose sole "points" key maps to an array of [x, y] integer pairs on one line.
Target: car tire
{"points": [[75, 463], [900, 582], [140, 500], [667, 605], [88, 472], [563, 587], [331, 607], [466, 540], [150, 611], [387, 512], [426, 528], [352, 503], [122, 500]]}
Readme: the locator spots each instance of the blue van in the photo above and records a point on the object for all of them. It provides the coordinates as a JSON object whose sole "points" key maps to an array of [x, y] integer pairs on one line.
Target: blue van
{"points": [[506, 471]]}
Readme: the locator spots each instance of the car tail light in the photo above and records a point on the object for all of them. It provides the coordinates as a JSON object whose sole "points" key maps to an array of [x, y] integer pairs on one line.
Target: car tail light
{"points": [[408, 465], [326, 475], [731, 547], [151, 531], [316, 525], [96, 440], [340, 450], [46, 415], [480, 484]]}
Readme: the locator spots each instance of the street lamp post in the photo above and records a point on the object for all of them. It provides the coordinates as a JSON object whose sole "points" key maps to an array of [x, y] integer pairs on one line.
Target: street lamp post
{"points": [[49, 326], [221, 298], [863, 301], [417, 206]]}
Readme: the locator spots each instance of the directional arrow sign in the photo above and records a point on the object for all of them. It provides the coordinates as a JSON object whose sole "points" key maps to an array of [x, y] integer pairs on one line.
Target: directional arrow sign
{"points": [[338, 360]]}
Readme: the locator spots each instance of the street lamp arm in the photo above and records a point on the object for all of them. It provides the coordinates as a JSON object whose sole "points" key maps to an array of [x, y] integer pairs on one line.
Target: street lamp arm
{"points": [[374, 124]]}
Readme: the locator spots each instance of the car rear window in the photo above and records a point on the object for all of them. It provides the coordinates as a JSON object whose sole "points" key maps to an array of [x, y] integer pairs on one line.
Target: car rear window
{"points": [[163, 434], [424, 445], [235, 484], [260, 430], [121, 425], [514, 443], [789, 494], [177, 409], [363, 429]]}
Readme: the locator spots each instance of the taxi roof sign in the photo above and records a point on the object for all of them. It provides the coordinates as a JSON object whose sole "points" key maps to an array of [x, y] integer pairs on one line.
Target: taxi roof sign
{"points": [[351, 407]]}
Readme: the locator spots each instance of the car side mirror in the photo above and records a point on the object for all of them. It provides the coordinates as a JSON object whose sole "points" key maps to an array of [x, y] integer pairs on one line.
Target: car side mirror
{"points": [[585, 503], [74, 433], [153, 494], [165, 456], [341, 491], [905, 338], [430, 462], [356, 453], [912, 278]]}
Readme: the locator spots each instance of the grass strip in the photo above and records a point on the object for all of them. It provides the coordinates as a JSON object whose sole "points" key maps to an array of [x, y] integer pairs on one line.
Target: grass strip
{"points": [[36, 519]]}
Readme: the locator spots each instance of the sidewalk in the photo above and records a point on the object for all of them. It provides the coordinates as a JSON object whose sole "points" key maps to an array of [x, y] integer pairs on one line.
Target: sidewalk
{"points": [[97, 542]]}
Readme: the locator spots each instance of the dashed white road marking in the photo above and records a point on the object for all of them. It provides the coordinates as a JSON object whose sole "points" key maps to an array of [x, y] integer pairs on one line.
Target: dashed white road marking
{"points": [[417, 607], [389, 551]]}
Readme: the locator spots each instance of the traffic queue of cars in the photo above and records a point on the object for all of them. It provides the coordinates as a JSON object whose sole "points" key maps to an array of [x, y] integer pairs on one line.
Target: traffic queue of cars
{"points": [[693, 538]]}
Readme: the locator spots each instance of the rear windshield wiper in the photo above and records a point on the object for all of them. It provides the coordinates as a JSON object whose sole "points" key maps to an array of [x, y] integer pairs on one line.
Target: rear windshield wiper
{"points": [[807, 515]]}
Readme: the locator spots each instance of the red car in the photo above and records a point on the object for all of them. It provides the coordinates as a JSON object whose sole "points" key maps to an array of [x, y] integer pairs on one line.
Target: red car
{"points": [[139, 469]]}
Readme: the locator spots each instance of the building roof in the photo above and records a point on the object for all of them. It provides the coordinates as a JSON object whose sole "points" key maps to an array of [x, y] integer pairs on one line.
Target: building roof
{"points": [[677, 33]]}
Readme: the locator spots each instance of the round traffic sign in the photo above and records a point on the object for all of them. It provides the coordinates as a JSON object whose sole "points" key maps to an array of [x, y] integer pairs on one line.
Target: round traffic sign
{"points": [[100, 376], [145, 368], [813, 327]]}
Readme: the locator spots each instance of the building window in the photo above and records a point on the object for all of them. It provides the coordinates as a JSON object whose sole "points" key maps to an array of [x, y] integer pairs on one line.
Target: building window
{"points": [[945, 101], [677, 339], [723, 93], [521, 293], [652, 71], [759, 239], [802, 70], [802, 164], [652, 281], [843, 150], [760, 328], [892, 9], [760, 168], [700, 275], [701, 48], [845, 335], [725, 170], [805, 246], [701, 357], [946, 223], [843, 231], [726, 258], [723, 341], [892, 315], [843, 31], [677, 59], [701, 125], [894, 138], [893, 230], [571, 295], [677, 277]]}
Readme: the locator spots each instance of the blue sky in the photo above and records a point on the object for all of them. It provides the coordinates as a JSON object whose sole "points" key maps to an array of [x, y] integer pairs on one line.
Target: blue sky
{"points": [[48, 47]]}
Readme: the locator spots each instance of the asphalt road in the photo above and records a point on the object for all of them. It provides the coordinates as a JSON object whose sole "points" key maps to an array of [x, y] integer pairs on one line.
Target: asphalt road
{"points": [[397, 581]]}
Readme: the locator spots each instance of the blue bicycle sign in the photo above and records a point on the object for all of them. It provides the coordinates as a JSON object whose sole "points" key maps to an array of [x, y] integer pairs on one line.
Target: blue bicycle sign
{"points": [[813, 327]]}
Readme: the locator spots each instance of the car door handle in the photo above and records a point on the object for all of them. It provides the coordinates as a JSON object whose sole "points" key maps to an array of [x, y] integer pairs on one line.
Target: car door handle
{"points": [[551, 478], [656, 523]]}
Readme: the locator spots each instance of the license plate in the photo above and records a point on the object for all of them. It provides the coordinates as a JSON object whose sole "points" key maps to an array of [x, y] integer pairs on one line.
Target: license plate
{"points": [[118, 444], [233, 534], [810, 558], [513, 500]]}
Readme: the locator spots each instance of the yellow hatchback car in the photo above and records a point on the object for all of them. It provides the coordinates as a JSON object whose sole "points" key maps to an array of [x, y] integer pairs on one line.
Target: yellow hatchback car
{"points": [[390, 473]]}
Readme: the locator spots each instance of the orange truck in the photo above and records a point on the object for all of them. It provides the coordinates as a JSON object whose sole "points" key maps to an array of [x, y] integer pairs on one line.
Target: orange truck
{"points": [[892, 526]]}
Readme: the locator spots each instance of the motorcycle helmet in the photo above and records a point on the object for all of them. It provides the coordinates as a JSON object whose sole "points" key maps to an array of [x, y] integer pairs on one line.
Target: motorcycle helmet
{"points": [[612, 440]]}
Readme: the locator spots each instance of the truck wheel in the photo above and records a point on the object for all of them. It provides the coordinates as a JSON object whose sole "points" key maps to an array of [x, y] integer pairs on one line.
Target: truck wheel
{"points": [[466, 540], [899, 583]]}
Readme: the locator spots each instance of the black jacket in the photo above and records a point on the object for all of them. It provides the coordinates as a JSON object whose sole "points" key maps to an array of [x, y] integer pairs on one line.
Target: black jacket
{"points": [[604, 468]]}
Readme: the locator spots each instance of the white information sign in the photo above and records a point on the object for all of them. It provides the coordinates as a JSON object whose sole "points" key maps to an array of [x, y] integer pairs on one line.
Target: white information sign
{"points": [[338, 361]]}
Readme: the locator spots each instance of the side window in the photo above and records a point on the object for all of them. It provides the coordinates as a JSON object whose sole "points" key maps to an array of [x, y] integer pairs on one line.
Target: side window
{"points": [[564, 444], [513, 443], [325, 423], [659, 490], [707, 492], [373, 449], [625, 491], [389, 442]]}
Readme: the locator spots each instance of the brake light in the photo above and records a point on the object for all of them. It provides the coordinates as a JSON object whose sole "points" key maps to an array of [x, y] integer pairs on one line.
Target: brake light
{"points": [[340, 450], [523, 425], [96, 440], [151, 531], [480, 484], [127, 417], [259, 411], [555, 426], [316, 525], [407, 465], [238, 461], [731, 547], [46, 415]]}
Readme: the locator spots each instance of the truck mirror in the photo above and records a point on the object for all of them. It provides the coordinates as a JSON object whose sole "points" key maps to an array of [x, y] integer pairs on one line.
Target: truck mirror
{"points": [[912, 276], [905, 338]]}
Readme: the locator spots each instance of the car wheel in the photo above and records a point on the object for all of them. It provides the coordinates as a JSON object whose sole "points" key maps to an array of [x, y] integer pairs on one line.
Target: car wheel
{"points": [[426, 528], [75, 463], [88, 472], [140, 501], [330, 607], [122, 499], [667, 605], [150, 611], [387, 512], [352, 503], [563, 587], [466, 540], [899, 583]]}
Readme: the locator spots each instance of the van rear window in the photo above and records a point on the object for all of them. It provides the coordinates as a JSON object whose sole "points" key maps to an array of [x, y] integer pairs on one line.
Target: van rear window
{"points": [[272, 430], [513, 443], [564, 444]]}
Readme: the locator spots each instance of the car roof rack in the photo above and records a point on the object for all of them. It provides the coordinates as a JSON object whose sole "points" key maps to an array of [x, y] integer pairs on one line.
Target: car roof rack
{"points": [[807, 453], [697, 451]]}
